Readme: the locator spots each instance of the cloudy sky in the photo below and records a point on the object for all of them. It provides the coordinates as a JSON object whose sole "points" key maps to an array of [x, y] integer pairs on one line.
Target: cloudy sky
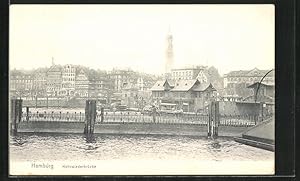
{"points": [[229, 37]]}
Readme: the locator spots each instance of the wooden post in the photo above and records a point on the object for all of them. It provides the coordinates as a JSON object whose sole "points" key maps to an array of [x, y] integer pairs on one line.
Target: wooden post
{"points": [[90, 118], [214, 119], [217, 119], [102, 114], [27, 113], [16, 114], [209, 120]]}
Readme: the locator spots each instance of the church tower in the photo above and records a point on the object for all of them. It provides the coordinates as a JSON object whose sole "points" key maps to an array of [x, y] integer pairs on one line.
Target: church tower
{"points": [[169, 54]]}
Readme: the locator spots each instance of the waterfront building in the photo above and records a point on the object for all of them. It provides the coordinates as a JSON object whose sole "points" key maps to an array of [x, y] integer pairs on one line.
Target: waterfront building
{"points": [[236, 82], [54, 80], [68, 80], [265, 93], [98, 86], [20, 84], [198, 72], [82, 84], [188, 95], [91, 84], [121, 78], [40, 82]]}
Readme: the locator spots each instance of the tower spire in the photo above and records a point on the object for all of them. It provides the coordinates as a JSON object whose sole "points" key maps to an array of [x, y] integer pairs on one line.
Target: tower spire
{"points": [[52, 61], [169, 53]]}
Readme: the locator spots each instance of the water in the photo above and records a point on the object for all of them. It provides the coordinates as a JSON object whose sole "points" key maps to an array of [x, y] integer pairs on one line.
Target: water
{"points": [[28, 147]]}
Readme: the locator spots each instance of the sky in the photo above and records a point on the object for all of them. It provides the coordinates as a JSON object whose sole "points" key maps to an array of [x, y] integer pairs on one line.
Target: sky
{"points": [[228, 37]]}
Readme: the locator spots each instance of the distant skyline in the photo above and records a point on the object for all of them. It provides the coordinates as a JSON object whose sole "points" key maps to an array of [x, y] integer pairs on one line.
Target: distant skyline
{"points": [[228, 37]]}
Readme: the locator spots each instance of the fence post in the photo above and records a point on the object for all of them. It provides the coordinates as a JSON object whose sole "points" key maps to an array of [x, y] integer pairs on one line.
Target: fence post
{"points": [[16, 114]]}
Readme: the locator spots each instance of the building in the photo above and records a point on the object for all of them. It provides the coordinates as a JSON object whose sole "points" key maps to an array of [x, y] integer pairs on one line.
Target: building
{"points": [[40, 82], [54, 80], [265, 92], [189, 95], [98, 85], [121, 78], [68, 80], [20, 84], [236, 82], [192, 73], [82, 84], [91, 84]]}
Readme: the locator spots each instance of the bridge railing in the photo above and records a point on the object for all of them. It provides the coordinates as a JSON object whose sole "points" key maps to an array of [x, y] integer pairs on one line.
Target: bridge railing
{"points": [[238, 120], [53, 116], [137, 117], [242, 120]]}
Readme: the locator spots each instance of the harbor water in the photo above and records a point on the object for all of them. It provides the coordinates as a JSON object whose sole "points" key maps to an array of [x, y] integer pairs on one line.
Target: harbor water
{"points": [[35, 147]]}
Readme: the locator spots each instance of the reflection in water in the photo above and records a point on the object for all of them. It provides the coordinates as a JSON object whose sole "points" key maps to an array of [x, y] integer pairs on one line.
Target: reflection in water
{"points": [[106, 147], [216, 145]]}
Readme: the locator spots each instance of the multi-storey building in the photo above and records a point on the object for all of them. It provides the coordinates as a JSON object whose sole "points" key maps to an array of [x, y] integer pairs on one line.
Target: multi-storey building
{"points": [[91, 84], [39, 82], [197, 72], [98, 85], [82, 84], [21, 84], [68, 80], [121, 78], [236, 82], [189, 95], [54, 80]]}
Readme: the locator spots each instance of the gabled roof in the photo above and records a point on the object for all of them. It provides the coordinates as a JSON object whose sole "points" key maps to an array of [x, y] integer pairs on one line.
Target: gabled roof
{"points": [[254, 85], [203, 86], [159, 85], [184, 85], [171, 83], [55, 68], [250, 73]]}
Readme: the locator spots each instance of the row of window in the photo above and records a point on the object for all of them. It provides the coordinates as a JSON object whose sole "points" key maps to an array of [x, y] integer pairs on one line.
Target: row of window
{"points": [[69, 74], [68, 79], [248, 79], [181, 94], [181, 73], [22, 81]]}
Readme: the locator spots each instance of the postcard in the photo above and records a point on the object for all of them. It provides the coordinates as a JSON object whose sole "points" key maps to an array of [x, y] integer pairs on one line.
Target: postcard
{"points": [[142, 89]]}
